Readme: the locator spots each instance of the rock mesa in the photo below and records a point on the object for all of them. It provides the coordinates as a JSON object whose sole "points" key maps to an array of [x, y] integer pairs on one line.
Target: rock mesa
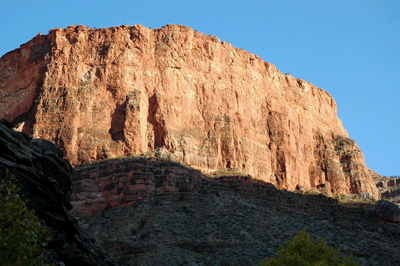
{"points": [[103, 93]]}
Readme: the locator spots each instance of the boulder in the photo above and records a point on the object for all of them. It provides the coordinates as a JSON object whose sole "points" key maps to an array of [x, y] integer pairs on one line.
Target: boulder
{"points": [[388, 210]]}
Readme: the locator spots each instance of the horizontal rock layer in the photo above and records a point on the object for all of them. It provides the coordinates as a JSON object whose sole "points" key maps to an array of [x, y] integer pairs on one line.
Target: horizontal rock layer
{"points": [[103, 93], [125, 182], [114, 183]]}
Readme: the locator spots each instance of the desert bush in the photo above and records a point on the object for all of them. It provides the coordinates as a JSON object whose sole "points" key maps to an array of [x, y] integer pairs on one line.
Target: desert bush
{"points": [[302, 251], [22, 238]]}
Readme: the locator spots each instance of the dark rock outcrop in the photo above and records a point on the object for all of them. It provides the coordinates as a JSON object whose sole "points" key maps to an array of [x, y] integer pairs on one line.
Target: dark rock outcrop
{"points": [[392, 195], [388, 210], [44, 178], [389, 188], [389, 183]]}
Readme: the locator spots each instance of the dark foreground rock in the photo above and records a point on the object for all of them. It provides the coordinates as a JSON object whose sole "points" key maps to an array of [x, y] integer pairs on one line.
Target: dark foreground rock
{"points": [[45, 178]]}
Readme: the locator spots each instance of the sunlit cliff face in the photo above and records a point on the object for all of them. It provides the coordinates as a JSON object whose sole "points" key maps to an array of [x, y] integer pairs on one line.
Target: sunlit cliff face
{"points": [[126, 90]]}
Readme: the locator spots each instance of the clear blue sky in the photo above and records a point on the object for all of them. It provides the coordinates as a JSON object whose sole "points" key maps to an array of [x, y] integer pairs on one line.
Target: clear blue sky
{"points": [[349, 48]]}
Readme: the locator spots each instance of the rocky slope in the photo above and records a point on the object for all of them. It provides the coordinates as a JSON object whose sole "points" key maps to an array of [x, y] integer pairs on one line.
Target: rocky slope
{"points": [[103, 93], [45, 179], [181, 217]]}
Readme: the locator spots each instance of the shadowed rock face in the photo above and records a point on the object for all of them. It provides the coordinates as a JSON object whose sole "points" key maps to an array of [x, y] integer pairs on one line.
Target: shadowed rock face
{"points": [[389, 188], [45, 179], [388, 210], [103, 93]]}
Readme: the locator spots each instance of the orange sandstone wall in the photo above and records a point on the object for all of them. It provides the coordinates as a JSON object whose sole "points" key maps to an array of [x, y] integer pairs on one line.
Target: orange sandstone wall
{"points": [[102, 93]]}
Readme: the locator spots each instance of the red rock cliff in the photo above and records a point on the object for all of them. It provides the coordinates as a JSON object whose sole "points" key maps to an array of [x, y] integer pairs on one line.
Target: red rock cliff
{"points": [[101, 93]]}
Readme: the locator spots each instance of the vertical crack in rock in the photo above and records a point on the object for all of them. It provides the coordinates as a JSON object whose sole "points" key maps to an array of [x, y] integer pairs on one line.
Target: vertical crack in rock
{"points": [[118, 122], [157, 125]]}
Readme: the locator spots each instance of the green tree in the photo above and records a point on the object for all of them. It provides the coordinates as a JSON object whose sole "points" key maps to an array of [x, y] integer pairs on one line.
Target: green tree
{"points": [[22, 238], [302, 251]]}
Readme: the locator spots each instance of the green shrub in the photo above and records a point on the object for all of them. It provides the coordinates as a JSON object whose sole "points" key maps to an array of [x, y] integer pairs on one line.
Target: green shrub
{"points": [[302, 251], [22, 238]]}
